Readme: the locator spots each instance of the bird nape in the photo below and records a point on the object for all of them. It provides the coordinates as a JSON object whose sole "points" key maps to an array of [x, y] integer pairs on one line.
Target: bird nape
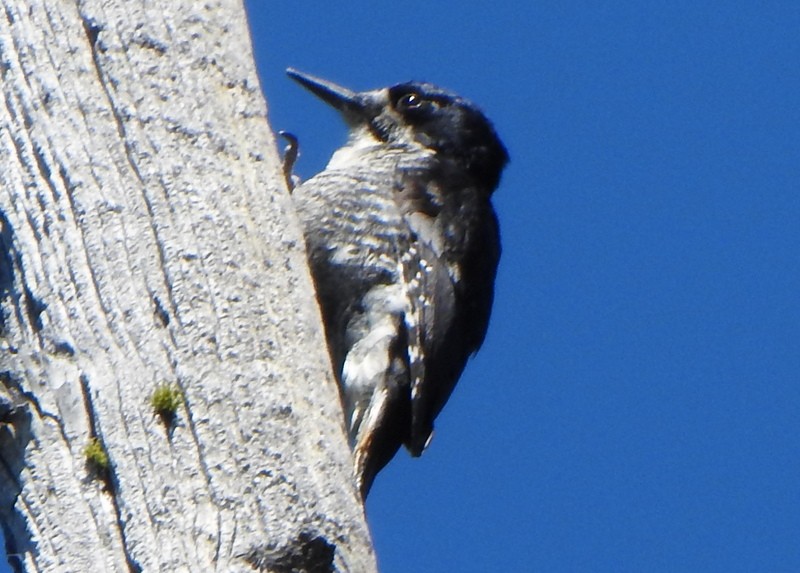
{"points": [[403, 245]]}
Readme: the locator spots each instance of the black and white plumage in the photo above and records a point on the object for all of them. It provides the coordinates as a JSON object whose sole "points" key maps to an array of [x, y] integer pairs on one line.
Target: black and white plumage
{"points": [[403, 245]]}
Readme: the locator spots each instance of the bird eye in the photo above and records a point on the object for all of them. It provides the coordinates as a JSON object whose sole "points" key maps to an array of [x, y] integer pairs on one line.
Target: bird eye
{"points": [[410, 101]]}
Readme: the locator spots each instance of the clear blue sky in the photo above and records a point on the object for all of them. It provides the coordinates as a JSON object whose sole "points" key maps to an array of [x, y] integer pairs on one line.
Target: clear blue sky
{"points": [[636, 406]]}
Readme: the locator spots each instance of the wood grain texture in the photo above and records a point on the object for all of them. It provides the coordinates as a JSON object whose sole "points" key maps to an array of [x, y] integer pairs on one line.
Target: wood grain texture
{"points": [[146, 237]]}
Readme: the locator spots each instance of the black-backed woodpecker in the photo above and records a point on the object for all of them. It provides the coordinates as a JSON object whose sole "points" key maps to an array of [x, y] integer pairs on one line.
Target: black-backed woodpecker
{"points": [[403, 245]]}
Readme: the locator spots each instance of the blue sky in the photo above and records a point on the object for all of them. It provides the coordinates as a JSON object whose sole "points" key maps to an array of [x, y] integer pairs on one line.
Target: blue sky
{"points": [[636, 406]]}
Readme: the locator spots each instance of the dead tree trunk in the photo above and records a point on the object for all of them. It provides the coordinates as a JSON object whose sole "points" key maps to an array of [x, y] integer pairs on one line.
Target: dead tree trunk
{"points": [[147, 241]]}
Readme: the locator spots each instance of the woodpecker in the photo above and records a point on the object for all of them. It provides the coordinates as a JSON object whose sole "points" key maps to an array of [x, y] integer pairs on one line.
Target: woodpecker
{"points": [[403, 245]]}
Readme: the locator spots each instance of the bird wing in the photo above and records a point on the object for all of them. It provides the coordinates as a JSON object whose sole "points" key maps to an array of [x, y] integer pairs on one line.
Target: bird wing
{"points": [[430, 298]]}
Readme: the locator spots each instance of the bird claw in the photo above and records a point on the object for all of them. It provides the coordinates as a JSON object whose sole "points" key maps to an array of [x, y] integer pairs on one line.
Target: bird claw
{"points": [[290, 155]]}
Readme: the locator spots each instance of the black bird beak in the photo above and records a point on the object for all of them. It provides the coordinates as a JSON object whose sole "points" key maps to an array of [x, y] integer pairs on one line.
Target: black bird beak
{"points": [[350, 104]]}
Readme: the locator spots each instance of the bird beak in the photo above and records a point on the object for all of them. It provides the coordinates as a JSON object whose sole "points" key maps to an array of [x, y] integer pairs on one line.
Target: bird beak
{"points": [[350, 104]]}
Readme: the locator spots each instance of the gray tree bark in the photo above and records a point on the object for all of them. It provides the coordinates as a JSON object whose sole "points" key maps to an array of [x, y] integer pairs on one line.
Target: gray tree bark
{"points": [[147, 238]]}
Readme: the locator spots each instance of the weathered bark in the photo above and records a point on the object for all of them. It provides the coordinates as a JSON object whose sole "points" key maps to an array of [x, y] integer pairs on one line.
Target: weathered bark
{"points": [[146, 238]]}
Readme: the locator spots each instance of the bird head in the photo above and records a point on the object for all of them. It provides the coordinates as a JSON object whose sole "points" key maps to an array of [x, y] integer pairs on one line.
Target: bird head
{"points": [[418, 113]]}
